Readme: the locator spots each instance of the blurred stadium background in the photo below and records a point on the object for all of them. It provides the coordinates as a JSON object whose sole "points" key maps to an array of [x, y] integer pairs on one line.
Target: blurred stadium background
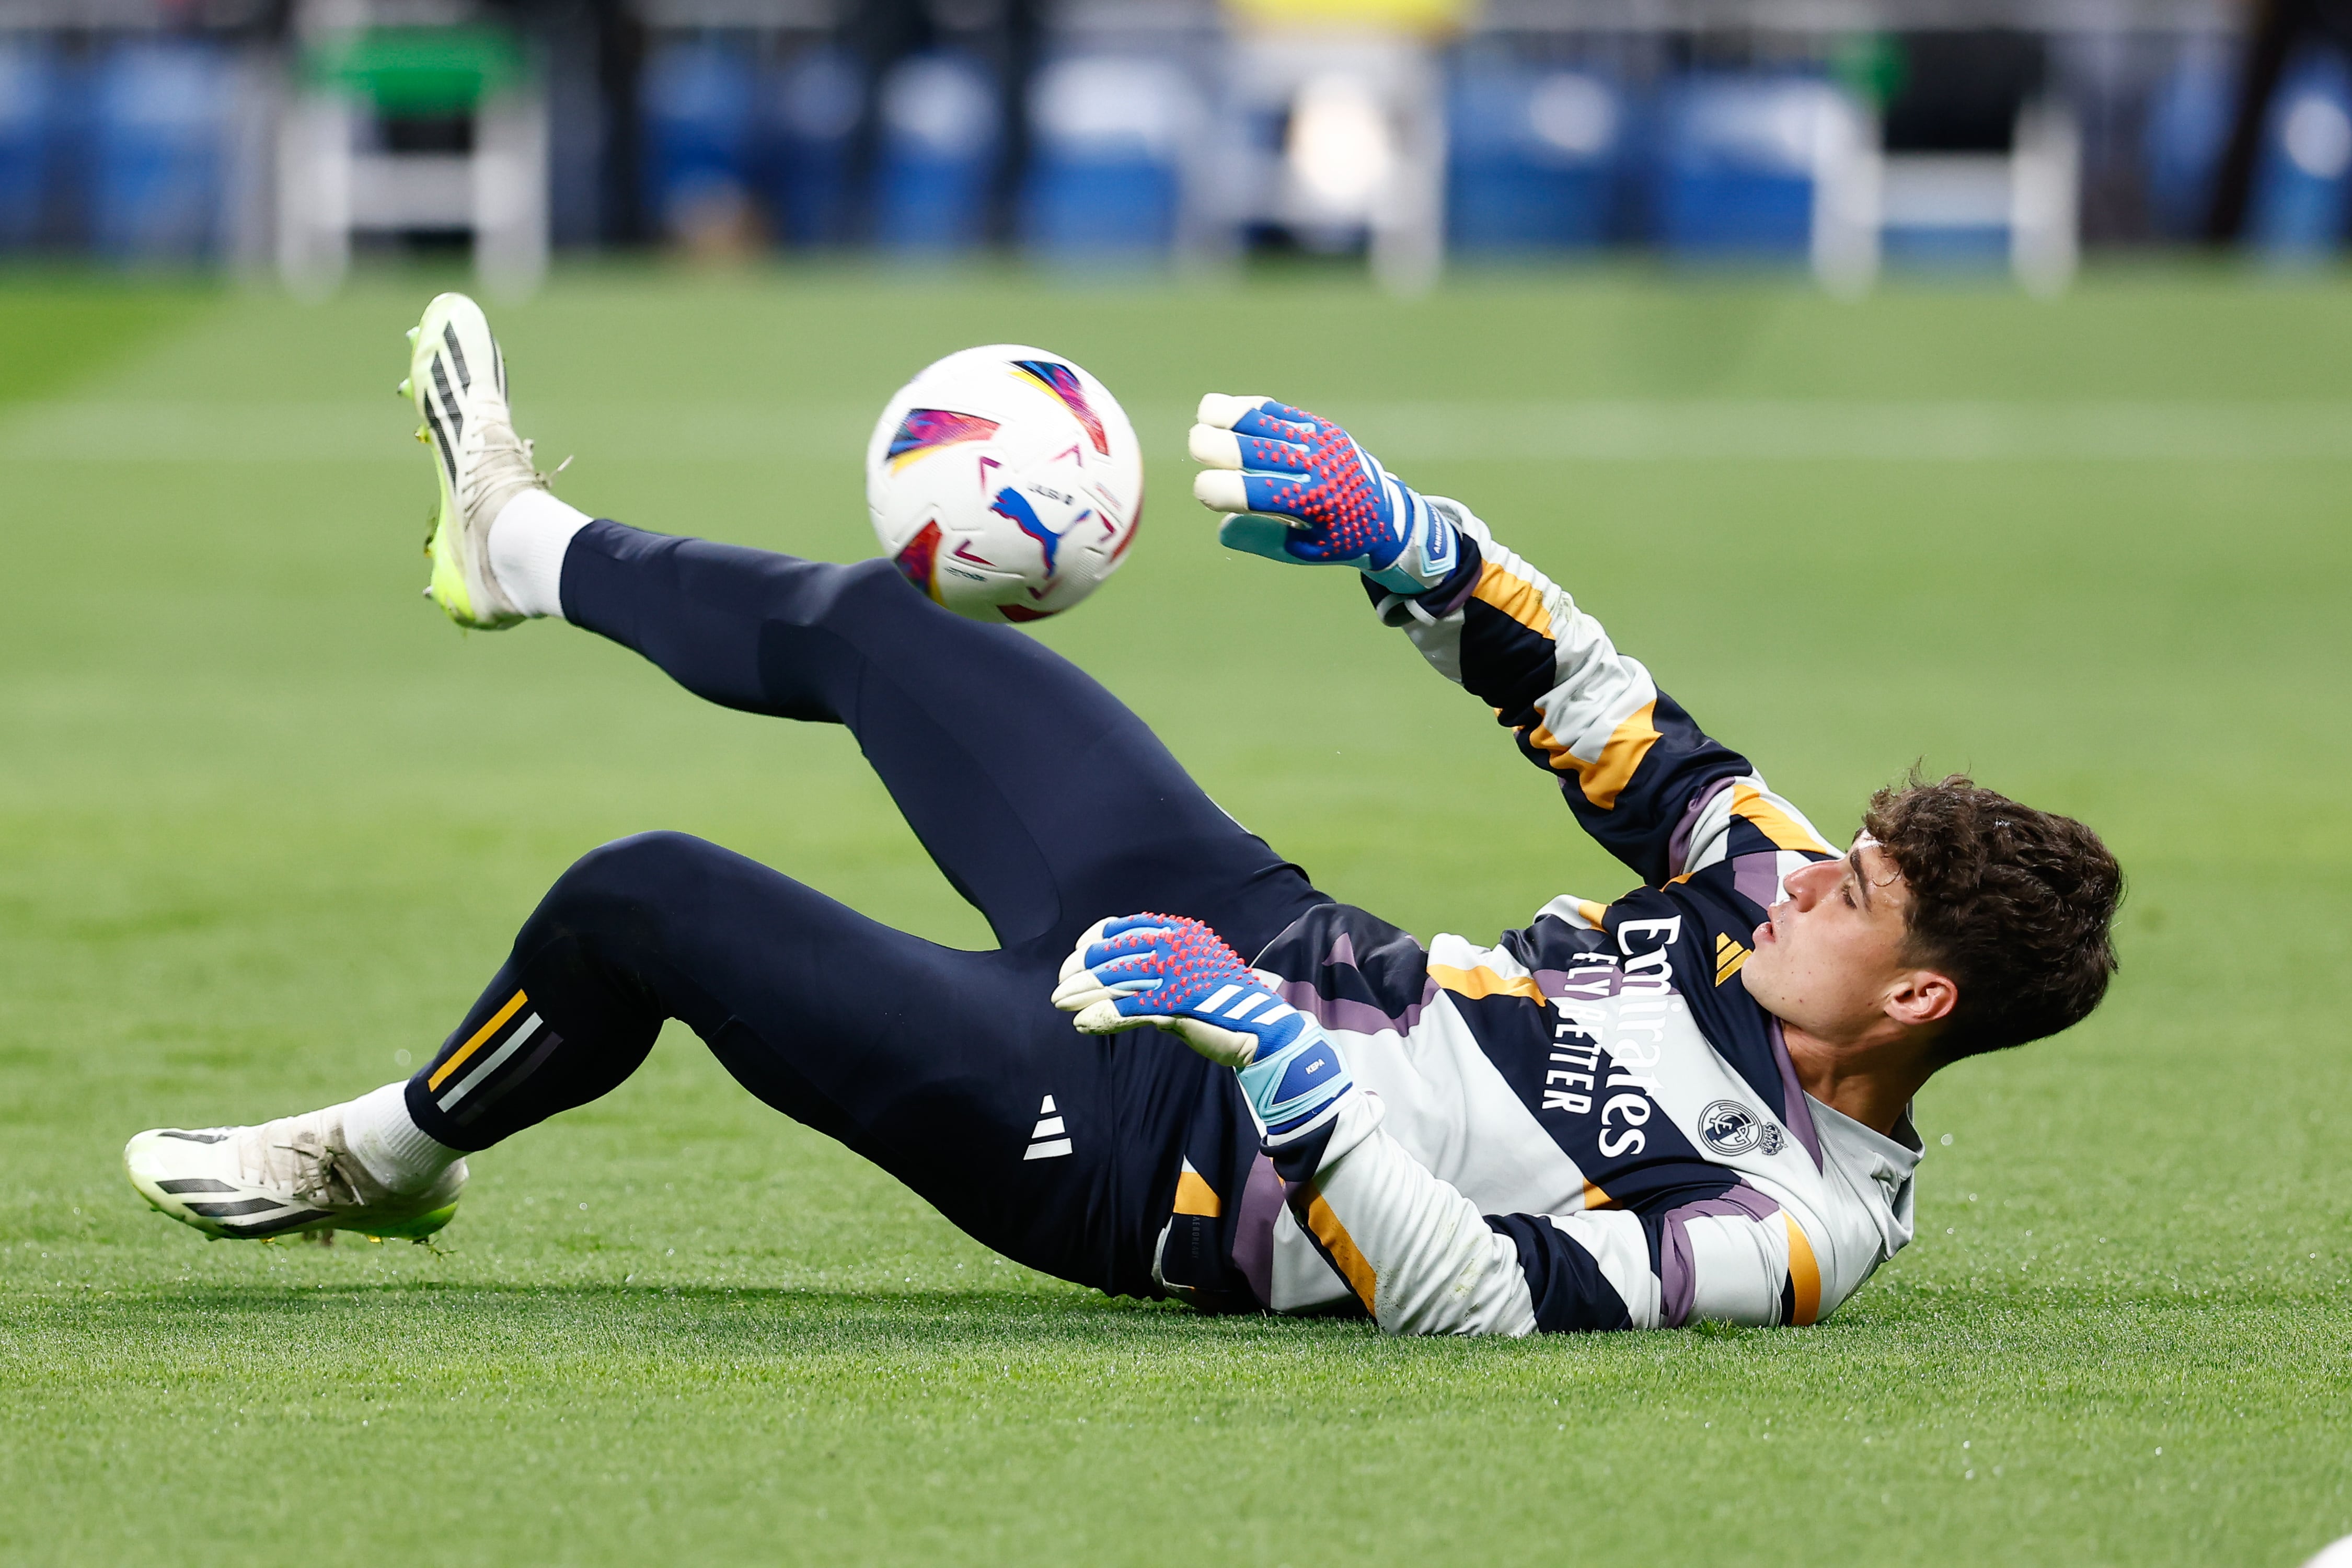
{"points": [[1848, 135], [264, 817]]}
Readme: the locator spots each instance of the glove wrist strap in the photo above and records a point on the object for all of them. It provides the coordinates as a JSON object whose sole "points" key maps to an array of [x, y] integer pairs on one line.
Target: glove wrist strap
{"points": [[1431, 549], [1297, 1089]]}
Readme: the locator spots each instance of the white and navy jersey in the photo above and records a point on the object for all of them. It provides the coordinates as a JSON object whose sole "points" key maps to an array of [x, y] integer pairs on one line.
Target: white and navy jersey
{"points": [[1589, 1124]]}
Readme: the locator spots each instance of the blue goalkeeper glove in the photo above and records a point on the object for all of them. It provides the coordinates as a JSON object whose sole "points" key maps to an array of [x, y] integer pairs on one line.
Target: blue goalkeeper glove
{"points": [[1300, 489], [1178, 975]]}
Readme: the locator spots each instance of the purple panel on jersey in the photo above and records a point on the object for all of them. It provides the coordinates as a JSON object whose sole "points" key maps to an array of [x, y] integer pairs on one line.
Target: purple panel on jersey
{"points": [[1592, 984], [1797, 1111], [1341, 1013], [1357, 1017], [1757, 878], [1261, 1204], [1676, 1285], [1678, 845]]}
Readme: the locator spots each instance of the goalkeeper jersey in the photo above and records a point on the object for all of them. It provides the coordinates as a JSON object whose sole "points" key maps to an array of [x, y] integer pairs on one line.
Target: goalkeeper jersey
{"points": [[1589, 1124]]}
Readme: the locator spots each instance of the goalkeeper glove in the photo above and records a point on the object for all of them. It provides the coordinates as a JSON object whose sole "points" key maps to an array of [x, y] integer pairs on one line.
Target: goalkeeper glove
{"points": [[1177, 974], [1302, 490]]}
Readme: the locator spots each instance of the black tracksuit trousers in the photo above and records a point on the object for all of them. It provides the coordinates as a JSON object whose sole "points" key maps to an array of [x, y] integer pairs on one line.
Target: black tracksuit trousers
{"points": [[1047, 803]]}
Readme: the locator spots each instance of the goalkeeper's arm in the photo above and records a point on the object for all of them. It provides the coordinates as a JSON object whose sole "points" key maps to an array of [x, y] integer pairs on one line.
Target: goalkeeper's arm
{"points": [[1632, 764], [1423, 1261], [1418, 1254]]}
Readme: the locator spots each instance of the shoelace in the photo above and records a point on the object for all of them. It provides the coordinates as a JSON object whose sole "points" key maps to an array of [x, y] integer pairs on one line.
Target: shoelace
{"points": [[495, 462], [319, 1177]]}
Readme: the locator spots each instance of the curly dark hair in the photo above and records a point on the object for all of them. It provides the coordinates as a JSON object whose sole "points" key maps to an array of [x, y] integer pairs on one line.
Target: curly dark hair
{"points": [[2013, 903]]}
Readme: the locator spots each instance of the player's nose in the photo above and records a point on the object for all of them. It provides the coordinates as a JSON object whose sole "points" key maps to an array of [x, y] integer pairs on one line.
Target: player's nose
{"points": [[1805, 887]]}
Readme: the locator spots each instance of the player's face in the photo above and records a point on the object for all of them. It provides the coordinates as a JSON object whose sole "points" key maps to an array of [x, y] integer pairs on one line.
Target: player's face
{"points": [[1830, 955]]}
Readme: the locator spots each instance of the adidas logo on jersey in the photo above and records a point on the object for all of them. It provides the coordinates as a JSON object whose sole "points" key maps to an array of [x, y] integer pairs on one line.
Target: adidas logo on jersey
{"points": [[1046, 1141]]}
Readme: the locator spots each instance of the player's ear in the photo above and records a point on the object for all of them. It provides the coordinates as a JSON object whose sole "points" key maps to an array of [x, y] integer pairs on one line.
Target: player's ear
{"points": [[1923, 996]]}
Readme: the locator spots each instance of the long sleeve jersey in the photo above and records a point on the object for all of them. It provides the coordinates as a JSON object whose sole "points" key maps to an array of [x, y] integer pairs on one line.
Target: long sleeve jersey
{"points": [[1589, 1124]]}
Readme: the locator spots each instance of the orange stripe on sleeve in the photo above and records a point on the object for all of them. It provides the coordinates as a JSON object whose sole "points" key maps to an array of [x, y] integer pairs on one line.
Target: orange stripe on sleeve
{"points": [[1804, 1273], [1605, 778], [1785, 831], [1556, 756], [1354, 1266], [1594, 1198], [1515, 596], [1627, 746], [1483, 982]]}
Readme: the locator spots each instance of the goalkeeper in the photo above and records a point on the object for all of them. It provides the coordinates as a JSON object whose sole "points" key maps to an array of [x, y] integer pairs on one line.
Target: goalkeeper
{"points": [[1691, 1102]]}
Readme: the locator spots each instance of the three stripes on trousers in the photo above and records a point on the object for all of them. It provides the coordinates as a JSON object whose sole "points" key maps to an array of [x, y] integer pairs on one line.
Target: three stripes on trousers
{"points": [[1048, 1140]]}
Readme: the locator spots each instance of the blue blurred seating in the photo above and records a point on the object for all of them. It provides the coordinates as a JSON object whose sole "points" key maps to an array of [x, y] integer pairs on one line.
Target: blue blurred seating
{"points": [[159, 134], [815, 102], [1106, 168], [2304, 171], [1533, 158], [941, 128], [27, 72], [700, 98], [1735, 165], [2187, 130]]}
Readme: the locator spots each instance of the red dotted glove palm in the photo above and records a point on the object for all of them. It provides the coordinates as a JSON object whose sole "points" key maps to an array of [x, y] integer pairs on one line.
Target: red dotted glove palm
{"points": [[1177, 974], [1300, 489]]}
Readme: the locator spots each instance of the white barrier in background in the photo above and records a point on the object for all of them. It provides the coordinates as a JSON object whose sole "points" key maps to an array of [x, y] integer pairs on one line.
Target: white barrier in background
{"points": [[1365, 148], [328, 190], [2032, 194]]}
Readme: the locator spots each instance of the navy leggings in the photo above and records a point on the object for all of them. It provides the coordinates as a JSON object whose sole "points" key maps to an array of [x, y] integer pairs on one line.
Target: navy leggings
{"points": [[1048, 805]]}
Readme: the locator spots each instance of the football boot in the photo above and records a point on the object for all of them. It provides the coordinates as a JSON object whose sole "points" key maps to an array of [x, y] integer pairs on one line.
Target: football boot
{"points": [[294, 1174], [457, 380]]}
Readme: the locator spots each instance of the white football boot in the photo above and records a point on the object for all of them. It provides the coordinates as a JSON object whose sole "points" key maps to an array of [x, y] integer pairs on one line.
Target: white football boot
{"points": [[457, 379], [296, 1173]]}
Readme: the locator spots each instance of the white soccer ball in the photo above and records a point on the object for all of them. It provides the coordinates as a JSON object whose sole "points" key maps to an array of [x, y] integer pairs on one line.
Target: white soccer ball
{"points": [[1005, 482], [2338, 1555]]}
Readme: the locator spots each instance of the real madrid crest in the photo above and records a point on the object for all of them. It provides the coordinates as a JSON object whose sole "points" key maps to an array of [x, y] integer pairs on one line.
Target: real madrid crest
{"points": [[1728, 1127]]}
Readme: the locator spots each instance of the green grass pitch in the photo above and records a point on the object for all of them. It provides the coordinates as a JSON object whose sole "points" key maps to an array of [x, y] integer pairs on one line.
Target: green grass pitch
{"points": [[267, 822]]}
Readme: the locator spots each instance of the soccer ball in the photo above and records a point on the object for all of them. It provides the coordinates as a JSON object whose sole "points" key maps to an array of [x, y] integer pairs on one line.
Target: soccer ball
{"points": [[1005, 482]]}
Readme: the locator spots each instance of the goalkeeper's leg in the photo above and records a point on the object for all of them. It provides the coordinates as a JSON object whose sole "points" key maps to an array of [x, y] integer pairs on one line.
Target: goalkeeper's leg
{"points": [[950, 1069], [1047, 802], [937, 1065]]}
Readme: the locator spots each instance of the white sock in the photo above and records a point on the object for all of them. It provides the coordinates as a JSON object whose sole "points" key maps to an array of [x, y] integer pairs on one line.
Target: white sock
{"points": [[528, 539], [396, 1151]]}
